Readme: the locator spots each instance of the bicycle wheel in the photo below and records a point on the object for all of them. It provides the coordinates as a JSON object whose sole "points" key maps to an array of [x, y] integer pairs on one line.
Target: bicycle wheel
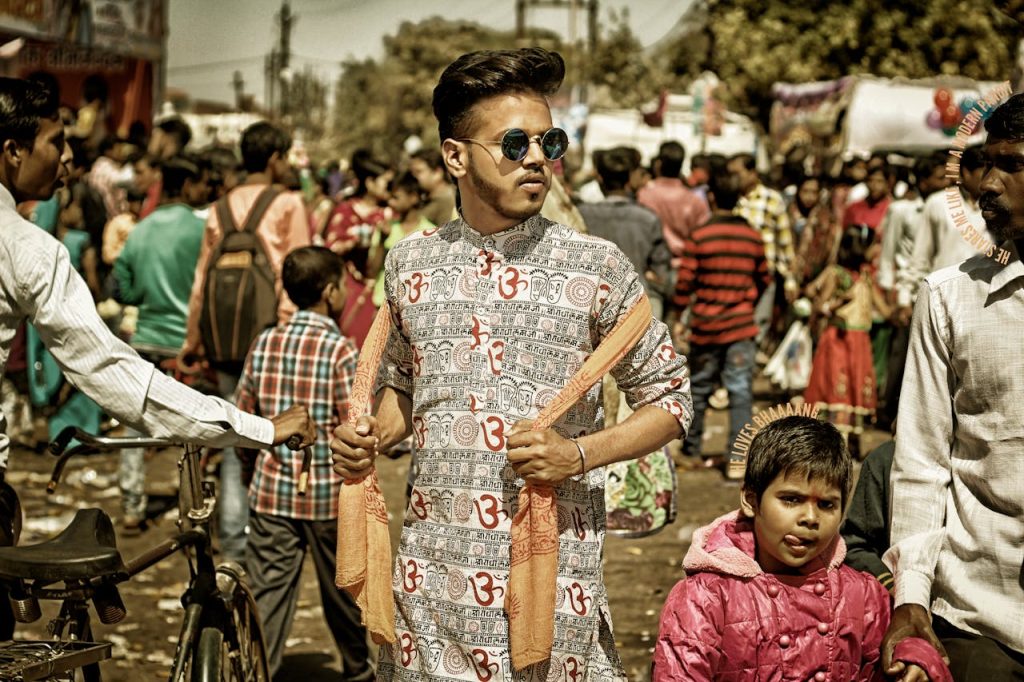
{"points": [[233, 651], [244, 639], [208, 657]]}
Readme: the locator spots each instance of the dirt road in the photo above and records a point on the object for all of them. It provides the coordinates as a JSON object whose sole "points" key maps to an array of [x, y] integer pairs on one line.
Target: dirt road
{"points": [[638, 572]]}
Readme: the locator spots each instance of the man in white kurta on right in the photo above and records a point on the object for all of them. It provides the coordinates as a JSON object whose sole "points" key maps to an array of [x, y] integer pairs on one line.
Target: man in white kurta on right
{"points": [[957, 488], [492, 314]]}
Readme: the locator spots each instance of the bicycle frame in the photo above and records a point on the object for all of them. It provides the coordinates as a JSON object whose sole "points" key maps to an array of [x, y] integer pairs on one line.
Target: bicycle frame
{"points": [[204, 601]]}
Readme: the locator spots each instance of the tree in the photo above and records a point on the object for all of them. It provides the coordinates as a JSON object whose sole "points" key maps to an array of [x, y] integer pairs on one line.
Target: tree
{"points": [[307, 108], [623, 75], [752, 44], [380, 104]]}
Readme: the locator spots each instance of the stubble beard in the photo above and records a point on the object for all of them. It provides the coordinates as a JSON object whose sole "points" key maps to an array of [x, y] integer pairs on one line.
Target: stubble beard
{"points": [[1002, 231], [491, 195], [1001, 228]]}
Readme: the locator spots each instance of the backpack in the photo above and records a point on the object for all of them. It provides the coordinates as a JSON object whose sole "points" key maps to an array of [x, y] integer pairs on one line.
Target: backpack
{"points": [[239, 296]]}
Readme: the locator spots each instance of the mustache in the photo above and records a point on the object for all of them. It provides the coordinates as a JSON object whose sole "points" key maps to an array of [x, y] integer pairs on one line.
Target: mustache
{"points": [[989, 202]]}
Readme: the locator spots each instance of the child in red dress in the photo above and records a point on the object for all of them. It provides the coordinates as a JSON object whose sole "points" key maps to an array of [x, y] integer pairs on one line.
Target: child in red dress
{"points": [[843, 385]]}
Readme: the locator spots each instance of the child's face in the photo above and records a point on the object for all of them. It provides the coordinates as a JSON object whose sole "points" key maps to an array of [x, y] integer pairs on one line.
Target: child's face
{"points": [[336, 297], [377, 188], [402, 201], [809, 193], [795, 521]]}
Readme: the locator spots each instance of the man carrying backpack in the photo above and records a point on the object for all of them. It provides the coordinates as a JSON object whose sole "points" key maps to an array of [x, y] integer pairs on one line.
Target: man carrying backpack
{"points": [[237, 290]]}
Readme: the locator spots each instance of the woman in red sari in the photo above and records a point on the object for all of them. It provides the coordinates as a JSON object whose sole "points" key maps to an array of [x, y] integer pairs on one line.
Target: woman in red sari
{"points": [[350, 231]]}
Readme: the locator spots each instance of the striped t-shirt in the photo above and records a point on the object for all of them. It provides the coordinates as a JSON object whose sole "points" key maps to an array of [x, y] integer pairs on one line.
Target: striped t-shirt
{"points": [[722, 273]]}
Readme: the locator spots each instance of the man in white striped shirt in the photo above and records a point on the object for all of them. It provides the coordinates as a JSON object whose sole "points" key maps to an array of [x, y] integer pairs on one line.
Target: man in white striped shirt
{"points": [[957, 488], [37, 283]]}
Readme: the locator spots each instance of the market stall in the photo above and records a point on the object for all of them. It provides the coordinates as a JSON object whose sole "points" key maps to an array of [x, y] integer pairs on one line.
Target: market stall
{"points": [[116, 43]]}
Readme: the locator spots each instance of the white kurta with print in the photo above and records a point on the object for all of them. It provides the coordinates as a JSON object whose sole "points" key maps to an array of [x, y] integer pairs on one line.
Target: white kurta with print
{"points": [[486, 331]]}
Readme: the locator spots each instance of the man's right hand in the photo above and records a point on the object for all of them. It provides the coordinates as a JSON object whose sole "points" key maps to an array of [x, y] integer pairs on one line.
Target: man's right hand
{"points": [[908, 620], [355, 448]]}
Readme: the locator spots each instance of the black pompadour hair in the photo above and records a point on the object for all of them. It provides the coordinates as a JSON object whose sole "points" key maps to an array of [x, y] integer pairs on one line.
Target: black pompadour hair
{"points": [[22, 104], [802, 446], [307, 271], [476, 76], [1007, 121]]}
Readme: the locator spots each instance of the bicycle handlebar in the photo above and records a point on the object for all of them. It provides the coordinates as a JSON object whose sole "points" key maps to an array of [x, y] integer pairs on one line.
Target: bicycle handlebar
{"points": [[91, 444]]}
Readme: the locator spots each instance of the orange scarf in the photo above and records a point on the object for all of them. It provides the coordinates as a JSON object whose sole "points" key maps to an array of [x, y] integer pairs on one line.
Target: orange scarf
{"points": [[364, 545], [530, 599]]}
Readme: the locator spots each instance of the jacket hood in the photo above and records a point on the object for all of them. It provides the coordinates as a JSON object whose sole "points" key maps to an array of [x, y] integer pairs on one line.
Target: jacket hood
{"points": [[727, 546]]}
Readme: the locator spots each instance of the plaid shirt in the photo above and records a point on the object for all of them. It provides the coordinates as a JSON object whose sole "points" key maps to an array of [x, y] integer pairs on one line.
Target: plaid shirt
{"points": [[307, 362], [765, 210]]}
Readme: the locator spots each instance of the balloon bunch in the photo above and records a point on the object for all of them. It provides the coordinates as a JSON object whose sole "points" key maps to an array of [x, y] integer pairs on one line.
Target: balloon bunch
{"points": [[947, 114]]}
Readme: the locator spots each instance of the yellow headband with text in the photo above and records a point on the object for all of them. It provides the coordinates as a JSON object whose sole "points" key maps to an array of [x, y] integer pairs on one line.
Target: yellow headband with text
{"points": [[738, 461]]}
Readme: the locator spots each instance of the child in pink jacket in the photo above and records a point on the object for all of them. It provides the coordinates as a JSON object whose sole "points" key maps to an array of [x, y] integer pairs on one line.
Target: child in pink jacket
{"points": [[767, 597]]}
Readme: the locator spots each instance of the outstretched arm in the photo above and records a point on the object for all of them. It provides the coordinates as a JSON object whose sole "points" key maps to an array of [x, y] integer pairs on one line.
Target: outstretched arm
{"points": [[56, 300]]}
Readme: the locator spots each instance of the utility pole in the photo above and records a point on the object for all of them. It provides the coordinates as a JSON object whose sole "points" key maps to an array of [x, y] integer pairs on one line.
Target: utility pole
{"points": [[285, 20], [573, 6], [239, 87], [270, 72]]}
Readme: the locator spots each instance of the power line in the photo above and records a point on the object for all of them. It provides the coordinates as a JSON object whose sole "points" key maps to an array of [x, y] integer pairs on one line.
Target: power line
{"points": [[215, 64], [330, 7], [332, 62]]}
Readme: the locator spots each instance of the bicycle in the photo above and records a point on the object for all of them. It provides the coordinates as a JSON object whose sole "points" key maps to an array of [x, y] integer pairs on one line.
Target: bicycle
{"points": [[221, 637]]}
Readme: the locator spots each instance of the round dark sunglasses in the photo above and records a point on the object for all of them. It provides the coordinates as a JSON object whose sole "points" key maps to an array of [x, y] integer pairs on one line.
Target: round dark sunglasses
{"points": [[515, 143]]}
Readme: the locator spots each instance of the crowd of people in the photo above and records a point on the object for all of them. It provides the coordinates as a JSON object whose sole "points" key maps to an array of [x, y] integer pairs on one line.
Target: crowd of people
{"points": [[742, 257], [250, 285]]}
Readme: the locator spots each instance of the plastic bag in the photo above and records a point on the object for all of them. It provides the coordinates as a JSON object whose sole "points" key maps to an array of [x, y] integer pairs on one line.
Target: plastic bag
{"points": [[790, 367]]}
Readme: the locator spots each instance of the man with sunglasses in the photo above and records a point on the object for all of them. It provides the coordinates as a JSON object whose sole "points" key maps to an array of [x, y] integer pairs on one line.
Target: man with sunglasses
{"points": [[493, 313]]}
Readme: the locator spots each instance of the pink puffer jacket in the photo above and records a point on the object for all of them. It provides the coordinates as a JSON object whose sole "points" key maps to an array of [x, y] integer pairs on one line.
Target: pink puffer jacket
{"points": [[731, 621]]}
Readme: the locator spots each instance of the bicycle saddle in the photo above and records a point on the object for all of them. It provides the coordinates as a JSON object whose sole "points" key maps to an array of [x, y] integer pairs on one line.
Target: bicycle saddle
{"points": [[87, 548]]}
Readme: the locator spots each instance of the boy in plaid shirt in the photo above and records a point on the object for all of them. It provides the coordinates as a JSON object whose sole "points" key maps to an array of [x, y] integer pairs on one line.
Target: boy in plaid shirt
{"points": [[307, 362]]}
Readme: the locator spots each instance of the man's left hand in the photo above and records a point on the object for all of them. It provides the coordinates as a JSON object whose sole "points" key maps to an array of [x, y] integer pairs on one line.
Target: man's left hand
{"points": [[541, 457]]}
